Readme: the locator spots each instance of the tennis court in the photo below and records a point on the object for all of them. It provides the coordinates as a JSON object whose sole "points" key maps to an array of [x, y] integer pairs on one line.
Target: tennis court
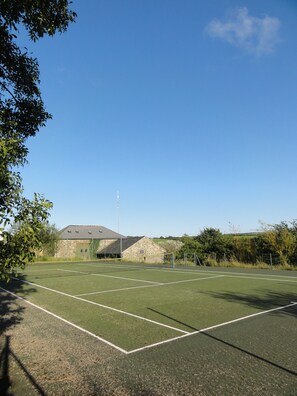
{"points": [[137, 309], [133, 307]]}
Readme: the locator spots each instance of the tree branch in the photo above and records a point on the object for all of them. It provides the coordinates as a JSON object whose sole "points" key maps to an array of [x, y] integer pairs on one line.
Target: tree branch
{"points": [[8, 90]]}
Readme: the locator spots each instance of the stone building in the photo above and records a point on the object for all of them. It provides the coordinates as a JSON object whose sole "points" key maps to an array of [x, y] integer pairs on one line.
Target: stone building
{"points": [[83, 241], [137, 249]]}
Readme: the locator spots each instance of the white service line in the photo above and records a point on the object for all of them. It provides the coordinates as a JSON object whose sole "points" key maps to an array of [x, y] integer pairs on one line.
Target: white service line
{"points": [[111, 276], [77, 272], [211, 328], [103, 306], [99, 265], [67, 321], [141, 287], [115, 290], [192, 280]]}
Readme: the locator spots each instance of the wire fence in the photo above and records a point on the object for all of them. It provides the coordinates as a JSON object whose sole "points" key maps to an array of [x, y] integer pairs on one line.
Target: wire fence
{"points": [[189, 259]]}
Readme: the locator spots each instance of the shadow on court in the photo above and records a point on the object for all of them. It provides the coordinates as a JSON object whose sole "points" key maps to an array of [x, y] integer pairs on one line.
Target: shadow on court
{"points": [[289, 311], [11, 311], [250, 354], [175, 320], [11, 314], [6, 357], [265, 300]]}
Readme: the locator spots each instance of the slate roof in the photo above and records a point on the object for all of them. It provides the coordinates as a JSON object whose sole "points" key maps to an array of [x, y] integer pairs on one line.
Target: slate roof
{"points": [[88, 232], [115, 247]]}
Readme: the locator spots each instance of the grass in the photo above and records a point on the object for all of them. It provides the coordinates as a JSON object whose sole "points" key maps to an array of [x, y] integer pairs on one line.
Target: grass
{"points": [[52, 259], [258, 265], [154, 316]]}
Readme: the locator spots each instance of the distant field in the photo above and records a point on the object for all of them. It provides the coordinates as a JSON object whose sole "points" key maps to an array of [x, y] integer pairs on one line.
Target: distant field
{"points": [[216, 331]]}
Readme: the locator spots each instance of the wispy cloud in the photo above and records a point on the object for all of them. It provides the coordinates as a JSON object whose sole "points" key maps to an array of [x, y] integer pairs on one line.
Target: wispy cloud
{"points": [[256, 36]]}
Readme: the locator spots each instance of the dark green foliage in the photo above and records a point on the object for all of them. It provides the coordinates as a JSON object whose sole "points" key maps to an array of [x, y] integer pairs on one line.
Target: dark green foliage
{"points": [[49, 237], [22, 114], [39, 17], [18, 246], [190, 247], [93, 247], [281, 240], [242, 248], [213, 243], [276, 244]]}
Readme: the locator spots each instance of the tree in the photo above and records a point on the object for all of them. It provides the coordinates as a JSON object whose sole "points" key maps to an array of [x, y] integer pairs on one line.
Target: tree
{"points": [[279, 239], [49, 237], [190, 247], [242, 248], [22, 114], [213, 242]]}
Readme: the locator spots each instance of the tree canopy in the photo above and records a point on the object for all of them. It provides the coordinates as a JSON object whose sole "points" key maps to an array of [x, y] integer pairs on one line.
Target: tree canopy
{"points": [[49, 237], [22, 114]]}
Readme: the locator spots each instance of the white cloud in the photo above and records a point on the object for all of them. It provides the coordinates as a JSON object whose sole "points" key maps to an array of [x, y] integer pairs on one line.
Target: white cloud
{"points": [[256, 36]]}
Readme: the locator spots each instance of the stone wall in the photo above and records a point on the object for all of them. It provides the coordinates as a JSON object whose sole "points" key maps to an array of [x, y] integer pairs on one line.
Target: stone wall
{"points": [[73, 248], [79, 248], [144, 250], [104, 243]]}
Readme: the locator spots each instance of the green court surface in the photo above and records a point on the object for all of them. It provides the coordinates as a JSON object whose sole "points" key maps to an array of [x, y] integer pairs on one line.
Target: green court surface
{"points": [[134, 307]]}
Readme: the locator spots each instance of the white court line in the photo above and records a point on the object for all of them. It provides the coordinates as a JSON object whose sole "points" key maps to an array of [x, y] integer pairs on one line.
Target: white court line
{"points": [[111, 276], [211, 328], [103, 306], [67, 321], [115, 290], [258, 278], [226, 273], [141, 287], [244, 276], [272, 280], [151, 345], [99, 265], [192, 280], [78, 272], [200, 271]]}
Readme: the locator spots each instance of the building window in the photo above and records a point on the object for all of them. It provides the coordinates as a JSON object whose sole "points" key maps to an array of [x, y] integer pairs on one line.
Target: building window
{"points": [[141, 251]]}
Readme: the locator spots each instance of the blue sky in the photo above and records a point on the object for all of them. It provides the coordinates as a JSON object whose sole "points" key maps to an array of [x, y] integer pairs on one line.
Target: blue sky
{"points": [[187, 108]]}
